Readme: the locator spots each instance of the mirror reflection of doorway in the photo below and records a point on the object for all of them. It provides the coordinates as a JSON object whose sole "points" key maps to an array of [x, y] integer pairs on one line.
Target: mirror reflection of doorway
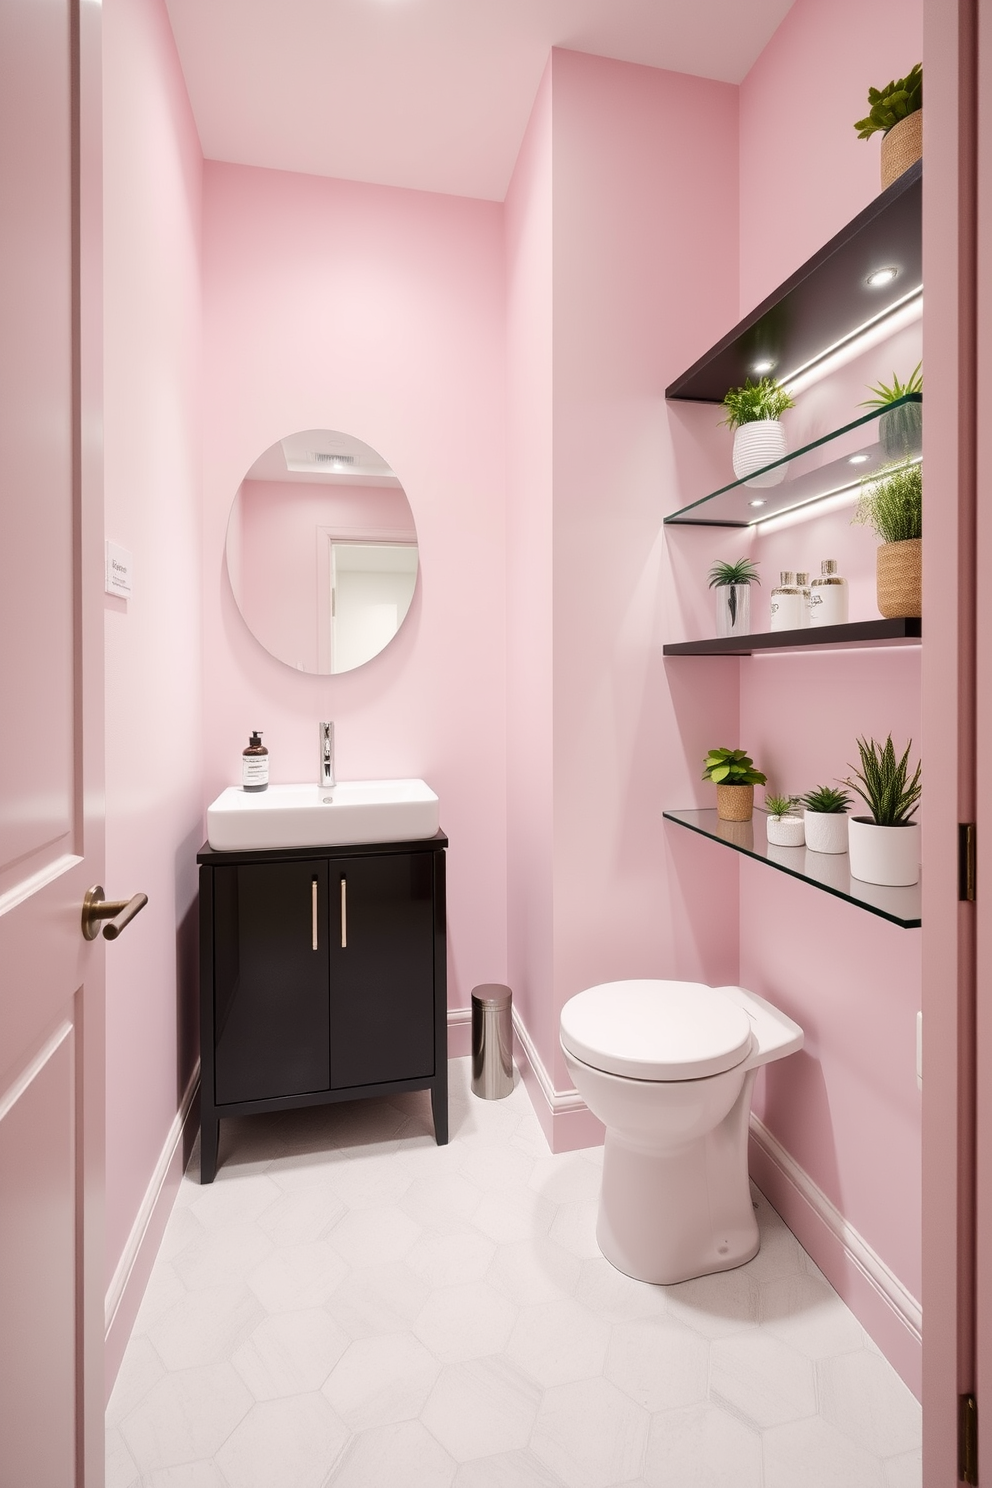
{"points": [[372, 586]]}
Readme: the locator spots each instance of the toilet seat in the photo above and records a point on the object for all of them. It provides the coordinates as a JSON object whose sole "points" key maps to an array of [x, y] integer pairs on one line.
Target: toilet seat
{"points": [[656, 1030]]}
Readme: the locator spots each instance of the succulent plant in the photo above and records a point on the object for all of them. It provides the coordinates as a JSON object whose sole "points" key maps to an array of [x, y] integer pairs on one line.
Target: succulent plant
{"points": [[886, 394], [888, 105], [827, 799], [900, 428], [764, 399], [780, 805], [891, 502], [885, 786], [731, 767], [741, 572]]}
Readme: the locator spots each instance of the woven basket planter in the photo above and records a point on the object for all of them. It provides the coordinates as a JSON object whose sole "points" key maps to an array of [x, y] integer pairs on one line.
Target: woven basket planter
{"points": [[902, 146], [899, 578], [734, 803]]}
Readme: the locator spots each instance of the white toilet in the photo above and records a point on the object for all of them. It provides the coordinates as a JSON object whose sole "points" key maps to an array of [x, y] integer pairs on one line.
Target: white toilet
{"points": [[668, 1068]]}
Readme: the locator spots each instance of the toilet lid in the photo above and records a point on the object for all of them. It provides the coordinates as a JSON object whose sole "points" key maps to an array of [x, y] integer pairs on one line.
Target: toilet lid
{"points": [[654, 1030]]}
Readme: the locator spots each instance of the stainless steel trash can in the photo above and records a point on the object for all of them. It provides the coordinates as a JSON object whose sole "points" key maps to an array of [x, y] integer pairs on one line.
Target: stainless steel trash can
{"points": [[492, 1041]]}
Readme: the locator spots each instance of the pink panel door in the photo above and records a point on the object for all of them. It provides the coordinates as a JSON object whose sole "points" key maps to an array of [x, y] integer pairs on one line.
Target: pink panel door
{"points": [[51, 746]]}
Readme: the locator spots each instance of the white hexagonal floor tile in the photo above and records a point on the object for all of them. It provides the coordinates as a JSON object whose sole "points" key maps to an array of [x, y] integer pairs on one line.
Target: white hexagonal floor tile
{"points": [[558, 1342], [616, 1297], [290, 1353], [904, 1471], [862, 1396], [141, 1368], [182, 1228], [700, 1446], [378, 1299], [120, 1469], [364, 1182], [532, 1271], [204, 1327], [591, 1434], [374, 1237], [566, 1178], [496, 1166], [764, 1381], [390, 1456], [220, 1256], [451, 1256], [435, 1200], [715, 1306], [304, 1213], [514, 1214], [233, 1200], [574, 1227], [509, 1470], [204, 1474], [188, 1415], [297, 1276], [807, 1313], [481, 1408], [382, 1379], [292, 1443], [659, 1363], [465, 1322], [812, 1453]]}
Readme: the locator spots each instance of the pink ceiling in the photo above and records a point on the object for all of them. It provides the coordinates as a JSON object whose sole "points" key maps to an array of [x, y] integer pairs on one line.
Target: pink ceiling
{"points": [[430, 94]]}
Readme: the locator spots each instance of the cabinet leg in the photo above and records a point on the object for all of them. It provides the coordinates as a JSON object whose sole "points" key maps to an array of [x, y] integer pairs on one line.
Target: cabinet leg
{"points": [[209, 1142], [439, 1109]]}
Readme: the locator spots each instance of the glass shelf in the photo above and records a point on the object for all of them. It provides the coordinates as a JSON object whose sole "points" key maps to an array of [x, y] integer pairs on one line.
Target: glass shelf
{"points": [[828, 871], [732, 506], [826, 302], [855, 634]]}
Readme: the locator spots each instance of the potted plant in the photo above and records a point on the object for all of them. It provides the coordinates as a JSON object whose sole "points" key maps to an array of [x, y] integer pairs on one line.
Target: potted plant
{"points": [[826, 819], [891, 503], [897, 110], [732, 582], [900, 431], [783, 824], [885, 847], [733, 773], [754, 412]]}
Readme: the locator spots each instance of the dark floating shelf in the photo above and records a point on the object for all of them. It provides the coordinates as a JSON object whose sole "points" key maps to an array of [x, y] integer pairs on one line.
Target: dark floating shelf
{"points": [[857, 633], [828, 871], [742, 504], [826, 301]]}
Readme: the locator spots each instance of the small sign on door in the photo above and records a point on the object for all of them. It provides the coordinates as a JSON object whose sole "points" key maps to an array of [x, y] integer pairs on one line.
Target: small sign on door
{"points": [[119, 565]]}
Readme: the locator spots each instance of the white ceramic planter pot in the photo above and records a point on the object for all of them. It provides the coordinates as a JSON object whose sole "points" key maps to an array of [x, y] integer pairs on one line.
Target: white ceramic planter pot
{"points": [[784, 831], [826, 831], [756, 445], [884, 855]]}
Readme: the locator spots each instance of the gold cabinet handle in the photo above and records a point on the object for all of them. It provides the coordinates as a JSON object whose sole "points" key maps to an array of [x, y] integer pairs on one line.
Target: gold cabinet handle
{"points": [[119, 912], [313, 913], [344, 913]]}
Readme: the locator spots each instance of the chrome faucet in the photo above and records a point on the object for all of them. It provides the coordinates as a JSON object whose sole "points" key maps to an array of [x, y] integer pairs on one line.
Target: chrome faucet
{"points": [[325, 779]]}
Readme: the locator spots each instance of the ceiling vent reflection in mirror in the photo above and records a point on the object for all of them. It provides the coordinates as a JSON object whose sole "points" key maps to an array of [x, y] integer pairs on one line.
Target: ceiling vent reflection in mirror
{"points": [[322, 551]]}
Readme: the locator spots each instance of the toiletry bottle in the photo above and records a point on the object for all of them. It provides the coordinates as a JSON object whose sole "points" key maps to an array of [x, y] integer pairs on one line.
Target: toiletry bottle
{"points": [[828, 596], [802, 584], [255, 764], [787, 602]]}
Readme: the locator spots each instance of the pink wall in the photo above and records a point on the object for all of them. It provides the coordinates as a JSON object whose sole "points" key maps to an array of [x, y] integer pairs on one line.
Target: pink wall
{"points": [[378, 312], [803, 170], [847, 1109], [153, 713]]}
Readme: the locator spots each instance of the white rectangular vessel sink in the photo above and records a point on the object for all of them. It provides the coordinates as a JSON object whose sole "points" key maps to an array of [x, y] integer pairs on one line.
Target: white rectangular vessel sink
{"points": [[351, 812]]}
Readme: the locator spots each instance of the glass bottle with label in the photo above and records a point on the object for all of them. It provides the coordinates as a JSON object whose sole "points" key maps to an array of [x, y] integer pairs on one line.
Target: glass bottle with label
{"points": [[787, 603], [828, 596]]}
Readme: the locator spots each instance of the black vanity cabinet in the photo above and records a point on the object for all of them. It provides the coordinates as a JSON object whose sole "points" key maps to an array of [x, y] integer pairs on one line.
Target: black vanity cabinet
{"points": [[322, 978]]}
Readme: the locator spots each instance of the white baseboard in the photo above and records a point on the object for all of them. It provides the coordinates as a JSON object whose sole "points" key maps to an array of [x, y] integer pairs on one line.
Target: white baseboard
{"points": [[859, 1253], [147, 1226]]}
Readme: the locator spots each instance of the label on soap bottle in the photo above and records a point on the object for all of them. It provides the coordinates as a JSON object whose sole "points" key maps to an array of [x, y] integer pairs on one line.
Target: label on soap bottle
{"points": [[254, 770]]}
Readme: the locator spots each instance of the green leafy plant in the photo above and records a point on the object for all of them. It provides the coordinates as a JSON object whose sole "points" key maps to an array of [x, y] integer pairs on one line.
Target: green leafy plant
{"points": [[741, 572], [764, 399], [883, 783], [898, 99], [780, 805], [891, 503], [826, 799], [886, 393], [731, 767]]}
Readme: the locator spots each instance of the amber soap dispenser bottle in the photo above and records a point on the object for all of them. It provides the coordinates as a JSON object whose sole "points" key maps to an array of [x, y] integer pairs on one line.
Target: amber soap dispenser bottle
{"points": [[255, 764]]}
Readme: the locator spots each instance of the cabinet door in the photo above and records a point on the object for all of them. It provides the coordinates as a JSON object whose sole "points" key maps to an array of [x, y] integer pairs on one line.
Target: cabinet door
{"points": [[270, 981], [382, 968]]}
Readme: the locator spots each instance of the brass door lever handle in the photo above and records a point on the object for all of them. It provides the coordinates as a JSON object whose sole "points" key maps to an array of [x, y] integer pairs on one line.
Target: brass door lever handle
{"points": [[119, 912]]}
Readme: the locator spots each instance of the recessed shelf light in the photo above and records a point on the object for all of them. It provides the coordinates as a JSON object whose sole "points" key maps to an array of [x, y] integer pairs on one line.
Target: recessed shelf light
{"points": [[878, 277], [759, 501], [763, 366], [858, 459]]}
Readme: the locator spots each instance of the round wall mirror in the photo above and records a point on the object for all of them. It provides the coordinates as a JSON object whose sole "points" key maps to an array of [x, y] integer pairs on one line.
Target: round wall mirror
{"points": [[322, 551]]}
